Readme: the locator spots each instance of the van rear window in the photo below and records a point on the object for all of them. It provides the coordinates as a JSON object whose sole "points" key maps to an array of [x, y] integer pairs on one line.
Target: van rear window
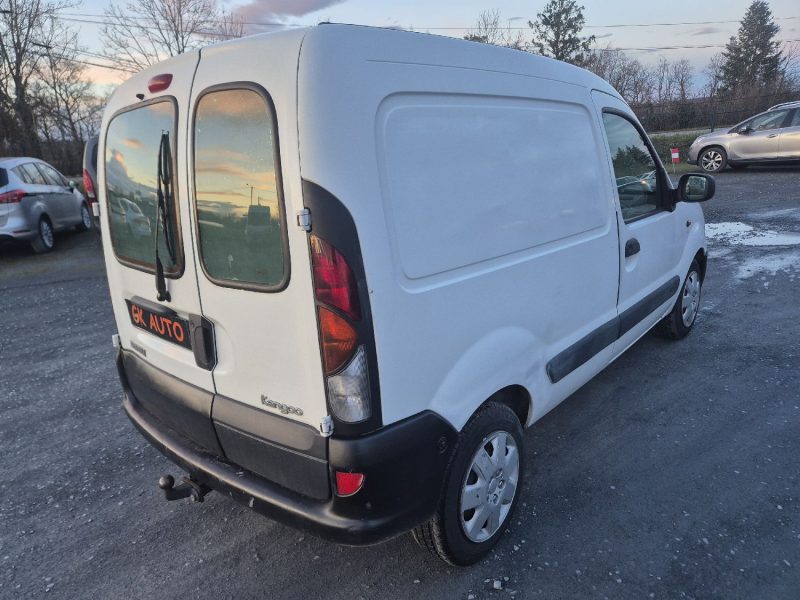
{"points": [[133, 139], [238, 190]]}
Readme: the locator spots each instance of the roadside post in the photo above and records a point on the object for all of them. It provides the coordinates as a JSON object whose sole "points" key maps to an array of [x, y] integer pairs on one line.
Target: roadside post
{"points": [[676, 158]]}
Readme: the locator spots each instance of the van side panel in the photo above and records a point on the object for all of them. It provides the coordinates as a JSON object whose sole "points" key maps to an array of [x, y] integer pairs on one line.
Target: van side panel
{"points": [[478, 272]]}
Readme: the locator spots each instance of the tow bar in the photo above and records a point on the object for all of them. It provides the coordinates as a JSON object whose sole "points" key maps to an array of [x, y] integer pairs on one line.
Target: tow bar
{"points": [[187, 488]]}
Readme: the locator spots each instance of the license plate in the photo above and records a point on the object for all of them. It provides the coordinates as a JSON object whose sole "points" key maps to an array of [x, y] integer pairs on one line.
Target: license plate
{"points": [[160, 322]]}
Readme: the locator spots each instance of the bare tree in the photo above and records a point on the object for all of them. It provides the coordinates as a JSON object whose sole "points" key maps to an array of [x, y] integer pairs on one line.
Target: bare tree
{"points": [[489, 30], [713, 73], [626, 74], [24, 36], [144, 32]]}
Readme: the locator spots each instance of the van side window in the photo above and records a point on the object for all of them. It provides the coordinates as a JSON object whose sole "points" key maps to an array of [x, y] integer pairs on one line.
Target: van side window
{"points": [[237, 190], [635, 169], [133, 140]]}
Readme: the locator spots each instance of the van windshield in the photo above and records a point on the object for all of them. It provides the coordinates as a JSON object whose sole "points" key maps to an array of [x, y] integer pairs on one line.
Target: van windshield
{"points": [[131, 163]]}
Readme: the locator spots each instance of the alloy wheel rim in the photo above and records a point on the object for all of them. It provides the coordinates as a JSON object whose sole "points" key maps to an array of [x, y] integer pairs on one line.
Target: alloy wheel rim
{"points": [[690, 302], [87, 219], [489, 487], [712, 160], [47, 233]]}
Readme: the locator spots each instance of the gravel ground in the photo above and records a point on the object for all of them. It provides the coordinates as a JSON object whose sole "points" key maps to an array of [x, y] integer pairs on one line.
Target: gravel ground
{"points": [[673, 474]]}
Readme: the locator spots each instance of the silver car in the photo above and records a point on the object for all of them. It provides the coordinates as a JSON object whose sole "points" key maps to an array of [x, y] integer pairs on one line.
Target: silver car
{"points": [[36, 200], [771, 137]]}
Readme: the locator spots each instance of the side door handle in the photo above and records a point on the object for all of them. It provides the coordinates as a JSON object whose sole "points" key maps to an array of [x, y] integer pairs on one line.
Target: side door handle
{"points": [[632, 247], [772, 135]]}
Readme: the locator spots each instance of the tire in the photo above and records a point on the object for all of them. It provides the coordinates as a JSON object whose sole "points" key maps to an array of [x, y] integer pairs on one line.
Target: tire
{"points": [[463, 537], [45, 240], [712, 159], [86, 219], [678, 323]]}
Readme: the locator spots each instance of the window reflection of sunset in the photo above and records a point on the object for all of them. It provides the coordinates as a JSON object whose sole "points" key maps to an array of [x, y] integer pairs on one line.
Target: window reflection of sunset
{"points": [[234, 154]]}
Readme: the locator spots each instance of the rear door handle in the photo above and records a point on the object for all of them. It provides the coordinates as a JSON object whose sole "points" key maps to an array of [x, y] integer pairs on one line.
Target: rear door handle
{"points": [[632, 247]]}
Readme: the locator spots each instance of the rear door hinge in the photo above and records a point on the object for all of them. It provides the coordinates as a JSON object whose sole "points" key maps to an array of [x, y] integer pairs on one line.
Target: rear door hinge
{"points": [[304, 219], [326, 426]]}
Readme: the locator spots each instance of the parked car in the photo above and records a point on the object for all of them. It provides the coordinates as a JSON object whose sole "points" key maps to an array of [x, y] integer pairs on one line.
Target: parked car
{"points": [[771, 137], [457, 268], [90, 177], [36, 201]]}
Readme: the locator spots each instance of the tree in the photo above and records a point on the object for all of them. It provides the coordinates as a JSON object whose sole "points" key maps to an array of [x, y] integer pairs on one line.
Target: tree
{"points": [[752, 59], [144, 32], [556, 32], [488, 30], [23, 40], [713, 73], [626, 74]]}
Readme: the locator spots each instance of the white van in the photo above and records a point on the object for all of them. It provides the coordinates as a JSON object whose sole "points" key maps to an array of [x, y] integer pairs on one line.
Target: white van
{"points": [[460, 236]]}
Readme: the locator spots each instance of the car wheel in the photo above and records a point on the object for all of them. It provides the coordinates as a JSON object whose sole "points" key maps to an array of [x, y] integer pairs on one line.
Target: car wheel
{"points": [[45, 239], [678, 323], [86, 219], [481, 490], [713, 160]]}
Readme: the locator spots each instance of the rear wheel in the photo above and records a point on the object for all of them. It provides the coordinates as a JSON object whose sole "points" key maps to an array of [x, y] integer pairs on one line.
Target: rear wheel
{"points": [[713, 159], [678, 323], [481, 490], [45, 239]]}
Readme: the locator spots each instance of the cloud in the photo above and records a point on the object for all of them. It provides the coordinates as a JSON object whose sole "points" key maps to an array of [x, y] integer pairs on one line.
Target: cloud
{"points": [[132, 143], [279, 11], [705, 31]]}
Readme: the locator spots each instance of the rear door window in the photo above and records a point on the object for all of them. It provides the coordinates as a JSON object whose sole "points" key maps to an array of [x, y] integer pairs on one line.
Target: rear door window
{"points": [[31, 174], [238, 196], [50, 175], [133, 140]]}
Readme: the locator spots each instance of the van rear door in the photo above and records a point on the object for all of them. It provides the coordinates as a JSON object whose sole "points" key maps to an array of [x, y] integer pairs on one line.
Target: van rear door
{"points": [[253, 265], [156, 333]]}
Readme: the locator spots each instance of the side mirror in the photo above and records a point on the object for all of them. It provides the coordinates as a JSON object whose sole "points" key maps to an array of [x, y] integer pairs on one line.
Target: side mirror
{"points": [[72, 184], [745, 130], [696, 187]]}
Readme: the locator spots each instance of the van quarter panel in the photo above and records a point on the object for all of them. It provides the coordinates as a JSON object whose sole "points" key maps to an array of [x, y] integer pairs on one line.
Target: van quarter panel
{"points": [[471, 234]]}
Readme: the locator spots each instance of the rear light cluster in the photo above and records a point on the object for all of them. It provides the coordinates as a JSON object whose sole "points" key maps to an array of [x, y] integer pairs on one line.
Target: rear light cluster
{"points": [[88, 185], [344, 360], [12, 197]]}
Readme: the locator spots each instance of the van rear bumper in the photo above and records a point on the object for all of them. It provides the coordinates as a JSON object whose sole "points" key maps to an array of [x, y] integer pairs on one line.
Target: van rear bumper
{"points": [[404, 466]]}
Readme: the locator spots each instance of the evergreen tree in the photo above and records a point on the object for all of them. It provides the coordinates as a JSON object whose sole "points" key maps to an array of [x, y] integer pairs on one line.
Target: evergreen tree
{"points": [[556, 32], [753, 58]]}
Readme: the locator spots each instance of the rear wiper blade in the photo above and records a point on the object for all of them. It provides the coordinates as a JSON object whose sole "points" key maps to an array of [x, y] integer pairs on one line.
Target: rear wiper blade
{"points": [[163, 214]]}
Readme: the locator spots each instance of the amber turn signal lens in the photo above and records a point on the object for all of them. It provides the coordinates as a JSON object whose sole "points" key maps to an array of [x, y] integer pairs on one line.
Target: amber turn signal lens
{"points": [[338, 340]]}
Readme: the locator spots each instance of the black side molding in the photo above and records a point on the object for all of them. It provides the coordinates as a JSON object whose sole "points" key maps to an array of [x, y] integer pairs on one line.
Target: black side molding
{"points": [[566, 361]]}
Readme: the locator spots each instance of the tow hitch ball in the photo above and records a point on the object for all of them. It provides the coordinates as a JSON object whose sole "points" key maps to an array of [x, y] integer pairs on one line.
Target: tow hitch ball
{"points": [[187, 488]]}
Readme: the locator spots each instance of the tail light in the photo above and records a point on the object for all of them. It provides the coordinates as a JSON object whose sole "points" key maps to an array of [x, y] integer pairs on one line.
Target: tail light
{"points": [[159, 83], [88, 185], [333, 280], [344, 360], [12, 197]]}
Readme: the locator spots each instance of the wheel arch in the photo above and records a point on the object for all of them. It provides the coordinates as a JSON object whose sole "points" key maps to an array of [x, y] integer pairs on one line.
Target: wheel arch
{"points": [[702, 259]]}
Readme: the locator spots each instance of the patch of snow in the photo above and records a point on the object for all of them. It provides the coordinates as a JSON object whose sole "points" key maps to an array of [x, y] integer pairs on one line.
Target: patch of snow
{"points": [[770, 264], [742, 234]]}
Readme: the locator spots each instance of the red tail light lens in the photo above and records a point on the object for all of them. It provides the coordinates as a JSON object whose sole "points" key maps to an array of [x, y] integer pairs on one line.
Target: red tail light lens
{"points": [[12, 197], [348, 484], [159, 83], [88, 185], [339, 340], [334, 283]]}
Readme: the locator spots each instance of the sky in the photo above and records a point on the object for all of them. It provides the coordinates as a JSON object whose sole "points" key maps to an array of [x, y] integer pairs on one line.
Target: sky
{"points": [[455, 17]]}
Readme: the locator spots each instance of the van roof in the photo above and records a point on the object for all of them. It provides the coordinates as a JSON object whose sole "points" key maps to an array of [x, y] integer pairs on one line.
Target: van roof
{"points": [[394, 45]]}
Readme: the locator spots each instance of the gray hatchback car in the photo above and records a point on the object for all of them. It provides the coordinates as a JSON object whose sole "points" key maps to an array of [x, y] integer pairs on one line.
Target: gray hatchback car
{"points": [[36, 200], [772, 137]]}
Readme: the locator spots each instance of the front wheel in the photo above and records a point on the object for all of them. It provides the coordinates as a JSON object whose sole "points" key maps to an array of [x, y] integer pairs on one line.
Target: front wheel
{"points": [[713, 160], [481, 491], [86, 219], [678, 323]]}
